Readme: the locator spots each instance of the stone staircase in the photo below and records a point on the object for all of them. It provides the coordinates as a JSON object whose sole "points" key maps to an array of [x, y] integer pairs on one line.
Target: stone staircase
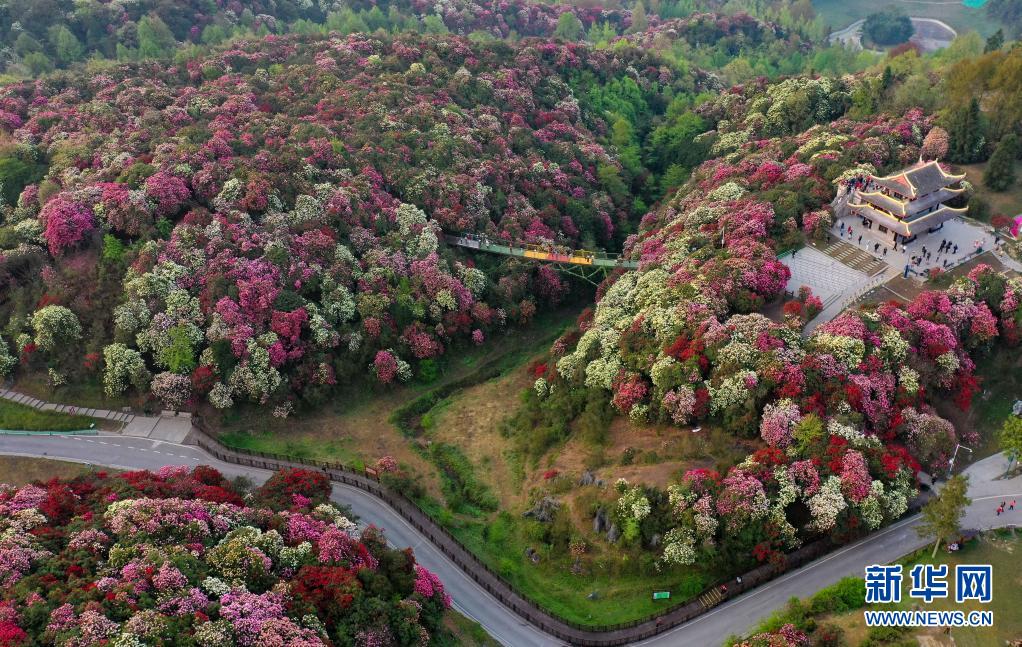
{"points": [[123, 417], [169, 426], [854, 257], [711, 598]]}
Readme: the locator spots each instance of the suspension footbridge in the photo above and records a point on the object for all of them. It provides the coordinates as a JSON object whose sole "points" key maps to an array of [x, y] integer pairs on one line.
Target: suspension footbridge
{"points": [[584, 264]]}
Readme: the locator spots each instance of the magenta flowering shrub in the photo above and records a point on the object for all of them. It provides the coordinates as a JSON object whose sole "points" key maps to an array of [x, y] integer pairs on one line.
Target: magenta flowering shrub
{"points": [[778, 422], [65, 223], [844, 413], [175, 557], [168, 193], [787, 636], [278, 232]]}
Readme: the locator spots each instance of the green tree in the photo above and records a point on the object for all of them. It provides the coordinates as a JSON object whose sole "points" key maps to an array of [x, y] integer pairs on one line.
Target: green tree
{"points": [[639, 21], [995, 42], [623, 137], [888, 27], [967, 133], [38, 63], [25, 44], [16, 173], [1011, 438], [433, 24], [178, 356], [601, 33], [155, 40], [113, 249], [674, 143], [942, 515], [1000, 173], [569, 27], [65, 44]]}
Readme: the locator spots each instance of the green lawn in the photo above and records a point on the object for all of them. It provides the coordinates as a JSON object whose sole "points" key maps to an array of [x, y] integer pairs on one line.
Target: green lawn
{"points": [[21, 418], [841, 13], [467, 632], [622, 588], [1001, 386], [337, 450], [84, 393], [1006, 203], [22, 470]]}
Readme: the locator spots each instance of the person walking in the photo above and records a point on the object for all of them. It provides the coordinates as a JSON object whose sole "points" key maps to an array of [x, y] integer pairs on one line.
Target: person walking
{"points": [[860, 239], [885, 252], [1012, 506], [956, 249]]}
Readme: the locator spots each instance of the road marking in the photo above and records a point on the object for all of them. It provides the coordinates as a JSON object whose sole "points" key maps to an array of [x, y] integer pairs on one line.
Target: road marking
{"points": [[997, 496], [756, 591]]}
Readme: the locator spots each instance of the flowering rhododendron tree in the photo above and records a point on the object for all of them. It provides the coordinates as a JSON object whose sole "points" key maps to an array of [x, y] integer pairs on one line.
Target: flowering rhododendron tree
{"points": [[66, 223], [843, 410], [286, 240], [148, 558]]}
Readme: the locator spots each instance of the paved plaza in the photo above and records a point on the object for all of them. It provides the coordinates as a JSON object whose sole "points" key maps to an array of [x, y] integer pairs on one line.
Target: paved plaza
{"points": [[830, 279], [968, 237]]}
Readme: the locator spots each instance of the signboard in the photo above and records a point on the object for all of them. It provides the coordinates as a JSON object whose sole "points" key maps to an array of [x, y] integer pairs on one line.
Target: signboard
{"points": [[661, 595]]}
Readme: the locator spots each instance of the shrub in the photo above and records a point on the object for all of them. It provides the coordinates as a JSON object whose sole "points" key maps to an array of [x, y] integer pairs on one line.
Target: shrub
{"points": [[301, 488], [889, 27]]}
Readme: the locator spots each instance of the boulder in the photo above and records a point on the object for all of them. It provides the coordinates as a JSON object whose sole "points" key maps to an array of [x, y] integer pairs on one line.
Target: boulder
{"points": [[613, 534], [588, 478], [600, 521], [543, 510]]}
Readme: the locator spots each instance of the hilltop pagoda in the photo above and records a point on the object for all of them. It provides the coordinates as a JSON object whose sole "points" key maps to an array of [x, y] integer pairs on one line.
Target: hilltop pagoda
{"points": [[909, 202]]}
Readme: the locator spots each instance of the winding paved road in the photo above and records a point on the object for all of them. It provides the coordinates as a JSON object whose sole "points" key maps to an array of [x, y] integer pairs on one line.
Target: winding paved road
{"points": [[735, 616]]}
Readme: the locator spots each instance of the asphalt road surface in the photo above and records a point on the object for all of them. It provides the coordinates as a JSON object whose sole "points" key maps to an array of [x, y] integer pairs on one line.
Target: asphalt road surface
{"points": [[736, 616]]}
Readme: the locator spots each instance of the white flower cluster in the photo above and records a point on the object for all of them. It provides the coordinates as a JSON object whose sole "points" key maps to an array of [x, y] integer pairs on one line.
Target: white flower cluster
{"points": [[679, 547], [826, 505], [541, 387], [220, 396], [330, 514], [124, 367], [847, 350], [54, 326], [871, 508], [727, 192], [893, 347], [633, 504], [731, 391], [254, 376], [855, 438], [7, 360], [908, 378]]}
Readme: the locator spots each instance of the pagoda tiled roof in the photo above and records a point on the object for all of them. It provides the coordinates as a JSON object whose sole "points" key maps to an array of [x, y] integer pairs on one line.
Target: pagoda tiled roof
{"points": [[919, 180], [906, 227], [902, 208]]}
